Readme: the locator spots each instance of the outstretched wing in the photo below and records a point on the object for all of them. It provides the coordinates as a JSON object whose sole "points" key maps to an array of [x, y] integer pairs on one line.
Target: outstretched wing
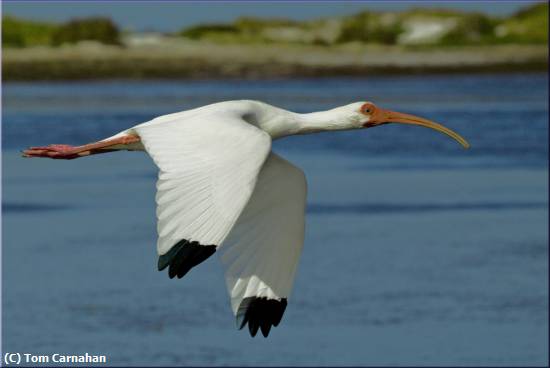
{"points": [[261, 252], [208, 170]]}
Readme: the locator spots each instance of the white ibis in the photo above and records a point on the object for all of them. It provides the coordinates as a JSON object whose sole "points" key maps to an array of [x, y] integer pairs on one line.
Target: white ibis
{"points": [[220, 187]]}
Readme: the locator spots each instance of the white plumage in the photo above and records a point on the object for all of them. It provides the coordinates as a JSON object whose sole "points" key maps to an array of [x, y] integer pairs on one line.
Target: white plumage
{"points": [[261, 252], [220, 187], [203, 184]]}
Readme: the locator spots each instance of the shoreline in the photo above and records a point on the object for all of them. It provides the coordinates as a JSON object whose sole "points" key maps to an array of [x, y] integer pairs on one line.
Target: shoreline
{"points": [[198, 60], [289, 72]]}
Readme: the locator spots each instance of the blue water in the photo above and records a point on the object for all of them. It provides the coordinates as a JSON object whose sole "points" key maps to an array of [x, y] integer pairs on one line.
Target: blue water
{"points": [[417, 252]]}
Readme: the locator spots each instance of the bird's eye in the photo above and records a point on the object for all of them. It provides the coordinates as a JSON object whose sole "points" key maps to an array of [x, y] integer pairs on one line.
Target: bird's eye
{"points": [[367, 109]]}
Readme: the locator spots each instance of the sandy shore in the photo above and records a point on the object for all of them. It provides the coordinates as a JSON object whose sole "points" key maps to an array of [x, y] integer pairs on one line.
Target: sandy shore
{"points": [[198, 60]]}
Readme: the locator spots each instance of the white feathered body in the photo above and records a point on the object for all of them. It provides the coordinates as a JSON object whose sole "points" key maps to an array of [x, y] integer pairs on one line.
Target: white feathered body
{"points": [[220, 184], [221, 188]]}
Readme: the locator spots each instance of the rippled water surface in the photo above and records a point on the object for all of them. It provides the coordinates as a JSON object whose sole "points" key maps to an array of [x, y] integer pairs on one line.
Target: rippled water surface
{"points": [[417, 252]]}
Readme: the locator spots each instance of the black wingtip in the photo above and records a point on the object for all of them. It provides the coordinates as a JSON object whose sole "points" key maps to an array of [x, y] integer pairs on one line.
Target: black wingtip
{"points": [[253, 327], [241, 321], [265, 327], [183, 256], [260, 313]]}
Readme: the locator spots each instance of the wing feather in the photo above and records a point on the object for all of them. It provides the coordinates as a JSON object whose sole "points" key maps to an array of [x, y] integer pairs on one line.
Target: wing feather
{"points": [[261, 253], [208, 168]]}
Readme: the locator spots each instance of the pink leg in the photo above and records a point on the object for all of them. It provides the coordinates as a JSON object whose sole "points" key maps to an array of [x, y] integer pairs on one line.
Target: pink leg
{"points": [[67, 152]]}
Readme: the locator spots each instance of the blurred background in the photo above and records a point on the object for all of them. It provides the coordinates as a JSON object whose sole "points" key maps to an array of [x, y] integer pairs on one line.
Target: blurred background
{"points": [[50, 40], [417, 252]]}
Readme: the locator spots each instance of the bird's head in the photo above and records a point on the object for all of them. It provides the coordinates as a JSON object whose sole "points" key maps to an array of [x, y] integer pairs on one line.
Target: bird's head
{"points": [[368, 115]]}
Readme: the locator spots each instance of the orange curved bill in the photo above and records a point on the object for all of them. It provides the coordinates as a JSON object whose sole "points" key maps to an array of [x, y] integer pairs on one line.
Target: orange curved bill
{"points": [[387, 116]]}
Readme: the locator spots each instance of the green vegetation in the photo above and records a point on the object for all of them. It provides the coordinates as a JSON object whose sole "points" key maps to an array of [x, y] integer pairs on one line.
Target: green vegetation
{"points": [[416, 27], [369, 27], [90, 29], [471, 28], [529, 25], [203, 31], [245, 29], [448, 28], [24, 33]]}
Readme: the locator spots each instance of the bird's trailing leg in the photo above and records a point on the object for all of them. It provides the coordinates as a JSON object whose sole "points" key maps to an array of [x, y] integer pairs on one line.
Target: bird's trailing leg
{"points": [[67, 152]]}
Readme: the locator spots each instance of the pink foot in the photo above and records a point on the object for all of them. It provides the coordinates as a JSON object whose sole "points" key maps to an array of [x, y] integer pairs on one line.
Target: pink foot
{"points": [[55, 151]]}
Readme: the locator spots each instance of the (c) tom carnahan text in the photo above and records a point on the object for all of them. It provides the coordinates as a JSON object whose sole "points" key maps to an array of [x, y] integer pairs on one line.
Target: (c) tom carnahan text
{"points": [[22, 358]]}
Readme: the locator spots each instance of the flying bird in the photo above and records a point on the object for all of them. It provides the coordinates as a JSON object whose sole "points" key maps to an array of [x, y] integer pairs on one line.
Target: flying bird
{"points": [[221, 188]]}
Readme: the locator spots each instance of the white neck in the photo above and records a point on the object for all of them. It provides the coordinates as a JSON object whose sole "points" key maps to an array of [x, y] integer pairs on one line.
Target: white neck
{"points": [[281, 123]]}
